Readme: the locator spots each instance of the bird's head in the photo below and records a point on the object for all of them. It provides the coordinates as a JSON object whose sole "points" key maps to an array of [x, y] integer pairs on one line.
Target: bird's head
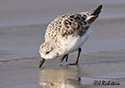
{"points": [[47, 51]]}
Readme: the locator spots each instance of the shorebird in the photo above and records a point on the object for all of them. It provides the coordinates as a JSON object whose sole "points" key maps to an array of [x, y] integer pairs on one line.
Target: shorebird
{"points": [[66, 34]]}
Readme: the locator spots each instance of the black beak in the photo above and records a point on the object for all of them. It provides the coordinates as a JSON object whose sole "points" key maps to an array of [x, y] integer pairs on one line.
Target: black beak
{"points": [[41, 62]]}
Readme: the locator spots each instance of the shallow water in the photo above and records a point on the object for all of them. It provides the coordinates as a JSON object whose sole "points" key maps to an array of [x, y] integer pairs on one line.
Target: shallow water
{"points": [[79, 77], [93, 68], [22, 27]]}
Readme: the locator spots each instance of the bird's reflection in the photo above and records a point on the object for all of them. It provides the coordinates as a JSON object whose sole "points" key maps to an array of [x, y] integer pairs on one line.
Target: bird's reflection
{"points": [[62, 77]]}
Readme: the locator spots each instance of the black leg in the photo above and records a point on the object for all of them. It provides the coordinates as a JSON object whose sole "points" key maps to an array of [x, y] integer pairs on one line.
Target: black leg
{"points": [[67, 57], [79, 51], [62, 58], [41, 62], [77, 60], [79, 79]]}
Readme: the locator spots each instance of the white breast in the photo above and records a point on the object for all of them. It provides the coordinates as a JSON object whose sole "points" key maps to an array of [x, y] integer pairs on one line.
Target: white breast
{"points": [[73, 43]]}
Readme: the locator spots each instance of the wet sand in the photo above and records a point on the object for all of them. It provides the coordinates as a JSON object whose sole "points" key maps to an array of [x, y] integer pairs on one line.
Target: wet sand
{"points": [[24, 41], [101, 66], [22, 28]]}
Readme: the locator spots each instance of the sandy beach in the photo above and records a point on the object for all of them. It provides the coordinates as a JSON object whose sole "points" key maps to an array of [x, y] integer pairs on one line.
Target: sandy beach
{"points": [[102, 66], [22, 27]]}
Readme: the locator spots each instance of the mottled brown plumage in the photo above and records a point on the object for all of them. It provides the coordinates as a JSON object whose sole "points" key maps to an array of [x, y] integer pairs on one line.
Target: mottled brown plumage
{"points": [[67, 33]]}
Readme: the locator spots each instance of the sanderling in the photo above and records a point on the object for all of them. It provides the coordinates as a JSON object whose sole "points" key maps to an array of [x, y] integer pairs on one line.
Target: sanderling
{"points": [[67, 33]]}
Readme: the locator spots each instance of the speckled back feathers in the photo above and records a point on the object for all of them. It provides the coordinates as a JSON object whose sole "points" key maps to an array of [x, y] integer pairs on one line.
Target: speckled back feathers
{"points": [[62, 26], [67, 33]]}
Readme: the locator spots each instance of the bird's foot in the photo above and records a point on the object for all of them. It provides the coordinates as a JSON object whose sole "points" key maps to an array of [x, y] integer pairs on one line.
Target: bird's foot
{"points": [[72, 64]]}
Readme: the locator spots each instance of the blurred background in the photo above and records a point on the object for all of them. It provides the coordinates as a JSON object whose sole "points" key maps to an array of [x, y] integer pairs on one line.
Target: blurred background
{"points": [[23, 12], [23, 24], [22, 27]]}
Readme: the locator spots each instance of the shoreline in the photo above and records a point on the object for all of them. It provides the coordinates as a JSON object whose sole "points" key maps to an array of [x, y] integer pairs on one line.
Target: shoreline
{"points": [[22, 28], [108, 65], [24, 41]]}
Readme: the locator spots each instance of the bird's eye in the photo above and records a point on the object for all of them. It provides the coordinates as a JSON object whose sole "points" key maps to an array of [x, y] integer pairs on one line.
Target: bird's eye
{"points": [[47, 52]]}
